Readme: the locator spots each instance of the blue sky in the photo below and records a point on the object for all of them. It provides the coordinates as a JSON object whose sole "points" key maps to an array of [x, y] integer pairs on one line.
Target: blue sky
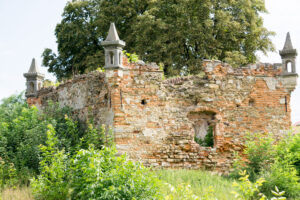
{"points": [[27, 28]]}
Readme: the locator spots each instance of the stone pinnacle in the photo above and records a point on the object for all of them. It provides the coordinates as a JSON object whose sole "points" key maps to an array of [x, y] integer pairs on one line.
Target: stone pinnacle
{"points": [[288, 42], [33, 67], [112, 33]]}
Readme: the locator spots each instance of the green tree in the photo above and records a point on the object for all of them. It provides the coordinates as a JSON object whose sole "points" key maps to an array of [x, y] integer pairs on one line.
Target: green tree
{"points": [[178, 33]]}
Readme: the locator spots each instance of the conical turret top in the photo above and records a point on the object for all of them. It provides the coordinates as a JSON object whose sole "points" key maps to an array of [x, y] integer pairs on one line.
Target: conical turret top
{"points": [[112, 33], [288, 50], [33, 67], [112, 38], [34, 70], [288, 42]]}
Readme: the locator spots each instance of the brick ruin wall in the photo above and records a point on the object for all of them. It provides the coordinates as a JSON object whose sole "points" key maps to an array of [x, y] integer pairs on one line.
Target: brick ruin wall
{"points": [[86, 94], [154, 119]]}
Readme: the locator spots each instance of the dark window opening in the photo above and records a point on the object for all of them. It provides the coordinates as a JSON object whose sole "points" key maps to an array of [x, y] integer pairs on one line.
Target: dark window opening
{"points": [[286, 104], [144, 102], [106, 96], [111, 55], [251, 102], [31, 87], [119, 58]]}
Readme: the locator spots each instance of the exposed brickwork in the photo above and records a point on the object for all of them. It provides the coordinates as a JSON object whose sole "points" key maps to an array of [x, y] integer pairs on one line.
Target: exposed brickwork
{"points": [[153, 118]]}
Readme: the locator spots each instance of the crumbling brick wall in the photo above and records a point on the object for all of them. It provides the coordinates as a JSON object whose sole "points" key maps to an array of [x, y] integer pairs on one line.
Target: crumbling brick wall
{"points": [[154, 120], [88, 96]]}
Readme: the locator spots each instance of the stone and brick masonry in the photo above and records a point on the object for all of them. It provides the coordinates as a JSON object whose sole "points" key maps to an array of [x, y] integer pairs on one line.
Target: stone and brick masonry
{"points": [[155, 121]]}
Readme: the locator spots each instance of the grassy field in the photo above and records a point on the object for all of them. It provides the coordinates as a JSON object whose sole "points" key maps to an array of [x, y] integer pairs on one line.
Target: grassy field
{"points": [[200, 182], [23, 193]]}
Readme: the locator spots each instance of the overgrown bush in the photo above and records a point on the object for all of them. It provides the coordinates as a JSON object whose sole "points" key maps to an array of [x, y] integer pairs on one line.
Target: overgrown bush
{"points": [[99, 174], [91, 174], [52, 183], [260, 153], [23, 129], [8, 176], [246, 190], [293, 147], [274, 160]]}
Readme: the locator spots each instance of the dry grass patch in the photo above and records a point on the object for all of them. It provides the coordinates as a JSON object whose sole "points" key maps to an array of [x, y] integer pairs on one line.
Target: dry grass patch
{"points": [[23, 193]]}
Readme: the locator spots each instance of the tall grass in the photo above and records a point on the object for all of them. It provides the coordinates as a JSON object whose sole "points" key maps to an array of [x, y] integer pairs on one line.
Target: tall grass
{"points": [[201, 182], [23, 193]]}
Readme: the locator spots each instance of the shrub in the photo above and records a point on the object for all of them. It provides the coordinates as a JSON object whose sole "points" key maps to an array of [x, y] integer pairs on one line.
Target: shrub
{"points": [[99, 174], [284, 176], [275, 161], [91, 174], [260, 153], [23, 129], [251, 191], [246, 189], [294, 149], [8, 176], [52, 182]]}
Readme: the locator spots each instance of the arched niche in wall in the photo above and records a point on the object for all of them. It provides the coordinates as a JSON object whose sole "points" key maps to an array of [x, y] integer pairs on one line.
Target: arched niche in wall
{"points": [[204, 124]]}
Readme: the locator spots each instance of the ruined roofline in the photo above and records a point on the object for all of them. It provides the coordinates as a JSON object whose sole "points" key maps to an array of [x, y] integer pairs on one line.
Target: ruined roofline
{"points": [[267, 66], [75, 79], [209, 68]]}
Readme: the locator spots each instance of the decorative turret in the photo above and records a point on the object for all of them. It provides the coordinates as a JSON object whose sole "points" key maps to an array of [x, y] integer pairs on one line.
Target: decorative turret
{"points": [[113, 47], [288, 55], [34, 80]]}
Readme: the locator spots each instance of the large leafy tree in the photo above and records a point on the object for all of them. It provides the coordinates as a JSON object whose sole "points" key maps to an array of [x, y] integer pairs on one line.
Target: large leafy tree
{"points": [[178, 33]]}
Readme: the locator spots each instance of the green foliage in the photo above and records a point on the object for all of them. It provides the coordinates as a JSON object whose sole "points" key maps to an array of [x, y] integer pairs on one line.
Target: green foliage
{"points": [[284, 176], [20, 134], [23, 129], [99, 174], [260, 152], [283, 171], [98, 137], [208, 140], [178, 33], [246, 190], [8, 176], [51, 184], [48, 83], [132, 57], [278, 195], [275, 161], [293, 149], [91, 174]]}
